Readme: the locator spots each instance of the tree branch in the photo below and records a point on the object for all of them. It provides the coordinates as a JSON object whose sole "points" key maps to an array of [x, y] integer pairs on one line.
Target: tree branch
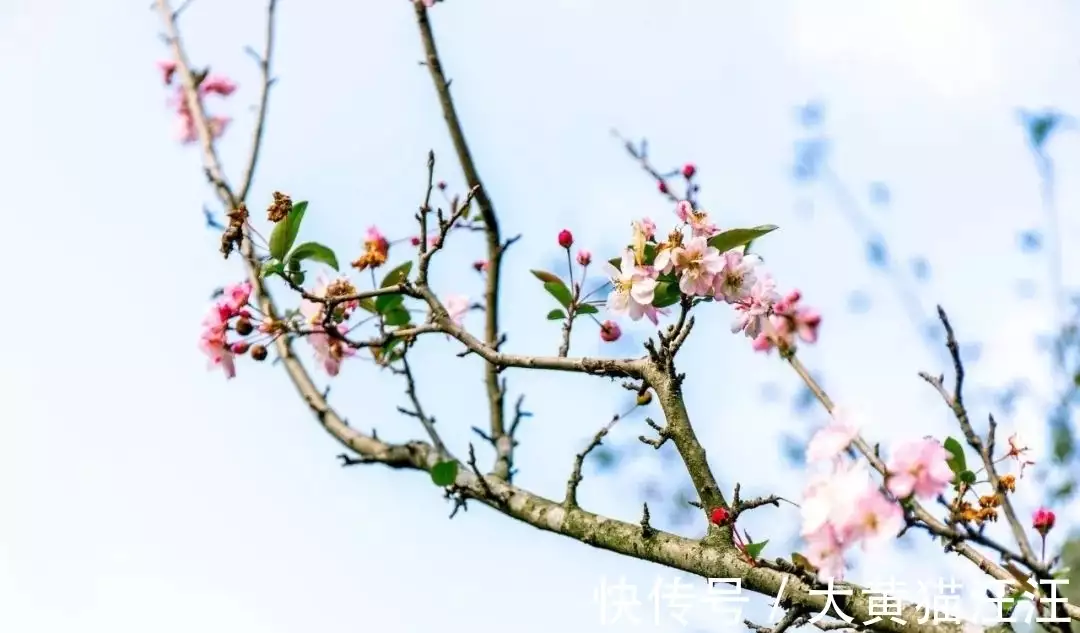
{"points": [[503, 443]]}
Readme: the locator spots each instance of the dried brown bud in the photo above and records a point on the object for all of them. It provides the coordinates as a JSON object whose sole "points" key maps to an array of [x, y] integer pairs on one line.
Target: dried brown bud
{"points": [[1007, 483], [258, 352], [279, 208], [644, 398]]}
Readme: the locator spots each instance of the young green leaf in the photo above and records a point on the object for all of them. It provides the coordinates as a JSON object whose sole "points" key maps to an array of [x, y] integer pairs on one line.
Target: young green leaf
{"points": [[967, 477], [284, 234], [958, 462], [271, 267], [545, 276], [367, 303], [315, 252], [586, 308], [385, 303], [555, 315], [397, 275], [753, 550], [666, 294], [561, 293], [397, 316], [738, 237], [444, 473]]}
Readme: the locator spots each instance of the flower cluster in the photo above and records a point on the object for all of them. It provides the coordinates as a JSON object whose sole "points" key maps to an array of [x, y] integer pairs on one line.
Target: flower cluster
{"points": [[844, 506], [652, 274], [207, 85], [232, 312]]}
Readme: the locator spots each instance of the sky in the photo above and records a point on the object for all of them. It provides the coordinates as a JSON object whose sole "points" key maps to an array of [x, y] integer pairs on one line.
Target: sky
{"points": [[143, 492]]}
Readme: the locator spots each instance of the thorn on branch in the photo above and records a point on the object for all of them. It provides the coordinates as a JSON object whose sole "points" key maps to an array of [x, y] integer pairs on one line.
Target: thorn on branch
{"points": [[488, 492], [346, 460], [647, 530]]}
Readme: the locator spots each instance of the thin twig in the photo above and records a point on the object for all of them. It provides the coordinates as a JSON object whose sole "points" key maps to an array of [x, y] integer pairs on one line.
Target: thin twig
{"points": [[575, 476]]}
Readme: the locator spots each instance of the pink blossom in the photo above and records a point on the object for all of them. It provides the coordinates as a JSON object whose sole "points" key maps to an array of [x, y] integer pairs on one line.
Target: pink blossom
{"points": [[633, 289], [217, 84], [735, 282], [646, 227], [876, 518], [762, 343], [212, 340], [698, 264], [832, 440], [797, 320], [697, 219], [217, 125], [456, 307], [238, 295], [168, 69], [185, 129], [830, 498], [920, 467], [752, 312], [825, 550]]}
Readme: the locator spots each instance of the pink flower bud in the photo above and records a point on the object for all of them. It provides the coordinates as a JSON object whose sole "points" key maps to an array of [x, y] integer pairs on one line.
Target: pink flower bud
{"points": [[719, 516], [1043, 521], [480, 266], [239, 348], [442, 185], [662, 186], [414, 240], [609, 331], [168, 69], [584, 257], [566, 238], [689, 170]]}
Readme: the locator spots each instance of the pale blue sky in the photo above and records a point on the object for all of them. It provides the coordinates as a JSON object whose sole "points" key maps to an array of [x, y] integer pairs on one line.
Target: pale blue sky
{"points": [[141, 492]]}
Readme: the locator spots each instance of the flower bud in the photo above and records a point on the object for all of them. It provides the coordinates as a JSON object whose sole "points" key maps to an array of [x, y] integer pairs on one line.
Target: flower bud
{"points": [[566, 238], [689, 170], [584, 257], [239, 348], [442, 185], [414, 240], [662, 186], [243, 326], [609, 331], [719, 516], [480, 266], [644, 398], [1043, 521], [258, 352]]}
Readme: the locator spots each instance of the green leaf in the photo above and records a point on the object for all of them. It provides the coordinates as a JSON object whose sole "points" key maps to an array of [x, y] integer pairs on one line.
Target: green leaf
{"points": [[586, 308], [739, 237], [285, 231], [368, 304], [555, 315], [545, 276], [315, 252], [754, 549], [297, 277], [967, 477], [397, 275], [397, 316], [444, 473], [272, 267], [385, 303], [561, 293], [958, 462], [667, 293]]}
